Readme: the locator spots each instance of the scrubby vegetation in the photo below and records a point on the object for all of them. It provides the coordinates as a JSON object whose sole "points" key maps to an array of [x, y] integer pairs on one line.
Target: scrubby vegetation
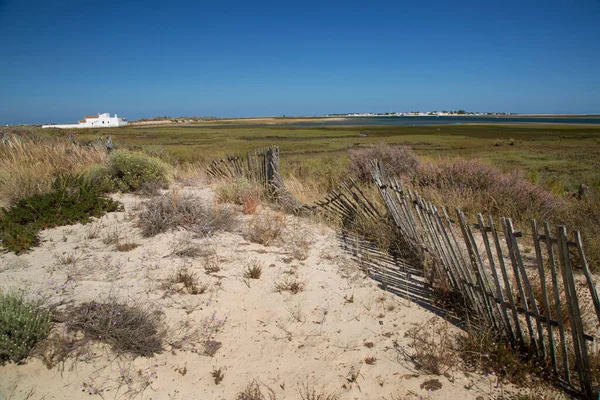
{"points": [[30, 164], [137, 329], [130, 171], [175, 210], [72, 201], [398, 160], [23, 324]]}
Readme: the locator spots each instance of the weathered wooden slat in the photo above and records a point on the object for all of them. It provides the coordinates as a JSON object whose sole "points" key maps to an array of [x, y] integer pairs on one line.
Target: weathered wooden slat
{"points": [[499, 294], [557, 303], [545, 299], [528, 291], [581, 354], [588, 275]]}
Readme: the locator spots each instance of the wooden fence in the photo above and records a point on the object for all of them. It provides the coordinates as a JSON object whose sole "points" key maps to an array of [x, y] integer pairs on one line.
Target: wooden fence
{"points": [[521, 286]]}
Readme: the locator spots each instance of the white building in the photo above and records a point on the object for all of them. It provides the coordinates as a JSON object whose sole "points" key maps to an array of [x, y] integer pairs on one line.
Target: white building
{"points": [[100, 121]]}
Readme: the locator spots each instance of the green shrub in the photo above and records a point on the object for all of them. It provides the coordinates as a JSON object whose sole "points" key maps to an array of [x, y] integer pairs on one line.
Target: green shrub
{"points": [[72, 201], [22, 324], [131, 171], [98, 176]]}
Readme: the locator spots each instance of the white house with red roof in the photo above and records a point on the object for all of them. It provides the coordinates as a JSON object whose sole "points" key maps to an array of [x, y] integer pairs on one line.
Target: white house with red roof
{"points": [[101, 121]]}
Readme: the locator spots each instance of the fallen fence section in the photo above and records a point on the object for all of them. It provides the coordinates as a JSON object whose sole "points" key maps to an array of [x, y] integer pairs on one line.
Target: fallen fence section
{"points": [[528, 297], [524, 299]]}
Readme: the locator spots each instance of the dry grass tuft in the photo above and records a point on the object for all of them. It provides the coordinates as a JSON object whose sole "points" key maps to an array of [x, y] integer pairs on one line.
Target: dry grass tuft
{"points": [[266, 228], [290, 284], [308, 391], [254, 392], [253, 270], [29, 166], [433, 347], [174, 210], [185, 280]]}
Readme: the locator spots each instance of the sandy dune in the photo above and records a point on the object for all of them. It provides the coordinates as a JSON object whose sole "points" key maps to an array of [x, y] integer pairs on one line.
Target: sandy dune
{"points": [[321, 336]]}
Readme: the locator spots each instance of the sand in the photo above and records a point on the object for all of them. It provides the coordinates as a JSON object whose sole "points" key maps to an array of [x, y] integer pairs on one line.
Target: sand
{"points": [[321, 336]]}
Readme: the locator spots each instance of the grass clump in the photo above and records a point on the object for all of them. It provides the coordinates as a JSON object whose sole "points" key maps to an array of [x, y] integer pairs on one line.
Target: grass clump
{"points": [[483, 351], [72, 201], [240, 191], [266, 228], [254, 392], [253, 270], [23, 324], [173, 210], [185, 280], [290, 284], [136, 329], [29, 165]]}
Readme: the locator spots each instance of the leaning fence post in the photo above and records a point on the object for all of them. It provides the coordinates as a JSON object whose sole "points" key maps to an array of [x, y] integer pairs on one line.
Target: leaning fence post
{"points": [[581, 355]]}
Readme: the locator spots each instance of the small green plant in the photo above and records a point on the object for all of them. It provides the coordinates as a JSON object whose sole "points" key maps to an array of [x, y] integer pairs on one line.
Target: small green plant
{"points": [[72, 201], [23, 323]]}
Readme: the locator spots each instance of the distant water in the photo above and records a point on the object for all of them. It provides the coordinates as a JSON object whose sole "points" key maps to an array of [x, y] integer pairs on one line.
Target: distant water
{"points": [[421, 121]]}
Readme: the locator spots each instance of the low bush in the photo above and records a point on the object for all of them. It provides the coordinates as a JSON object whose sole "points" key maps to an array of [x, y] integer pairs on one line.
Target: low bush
{"points": [[475, 186], [172, 210], [23, 324], [130, 171], [73, 201], [136, 329], [397, 160]]}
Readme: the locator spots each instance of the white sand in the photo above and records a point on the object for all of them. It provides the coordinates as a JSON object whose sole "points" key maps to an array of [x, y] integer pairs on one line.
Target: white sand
{"points": [[278, 339]]}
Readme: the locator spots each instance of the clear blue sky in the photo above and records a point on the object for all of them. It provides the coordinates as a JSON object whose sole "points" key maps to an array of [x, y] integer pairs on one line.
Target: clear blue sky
{"points": [[60, 60]]}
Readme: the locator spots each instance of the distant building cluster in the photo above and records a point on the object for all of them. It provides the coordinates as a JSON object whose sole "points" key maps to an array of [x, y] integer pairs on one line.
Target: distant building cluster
{"points": [[418, 114], [100, 121]]}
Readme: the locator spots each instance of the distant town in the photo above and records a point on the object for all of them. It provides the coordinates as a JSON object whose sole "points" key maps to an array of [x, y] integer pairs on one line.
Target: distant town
{"points": [[419, 114]]}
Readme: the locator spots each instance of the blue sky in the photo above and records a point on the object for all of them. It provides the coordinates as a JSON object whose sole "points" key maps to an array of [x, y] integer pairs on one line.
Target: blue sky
{"points": [[60, 60]]}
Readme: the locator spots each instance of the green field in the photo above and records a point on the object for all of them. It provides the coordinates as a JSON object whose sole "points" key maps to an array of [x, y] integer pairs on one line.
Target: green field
{"points": [[559, 157]]}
